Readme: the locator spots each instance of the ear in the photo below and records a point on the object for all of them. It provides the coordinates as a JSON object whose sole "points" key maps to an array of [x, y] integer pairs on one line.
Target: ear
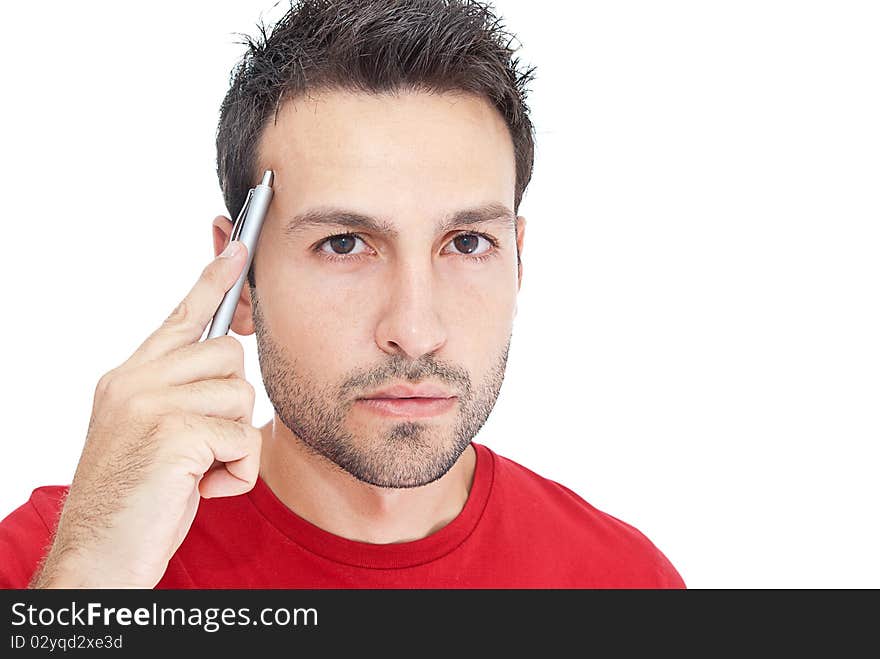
{"points": [[520, 239], [242, 320]]}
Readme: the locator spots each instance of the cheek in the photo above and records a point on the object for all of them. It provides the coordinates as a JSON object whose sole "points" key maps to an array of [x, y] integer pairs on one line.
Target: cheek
{"points": [[337, 309], [483, 289], [315, 312], [478, 313]]}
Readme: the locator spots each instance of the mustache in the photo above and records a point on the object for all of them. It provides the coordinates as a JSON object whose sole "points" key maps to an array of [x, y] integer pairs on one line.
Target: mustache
{"points": [[399, 370]]}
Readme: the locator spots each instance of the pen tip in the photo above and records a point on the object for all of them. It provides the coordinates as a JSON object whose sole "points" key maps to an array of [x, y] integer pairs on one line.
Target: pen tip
{"points": [[268, 177]]}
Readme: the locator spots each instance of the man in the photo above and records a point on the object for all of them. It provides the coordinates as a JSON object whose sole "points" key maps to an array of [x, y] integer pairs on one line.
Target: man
{"points": [[382, 294]]}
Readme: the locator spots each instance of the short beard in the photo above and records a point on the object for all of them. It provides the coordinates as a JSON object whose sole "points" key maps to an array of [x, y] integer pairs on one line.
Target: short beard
{"points": [[410, 454]]}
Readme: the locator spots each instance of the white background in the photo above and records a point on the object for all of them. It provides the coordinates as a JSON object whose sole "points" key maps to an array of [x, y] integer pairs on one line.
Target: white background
{"points": [[696, 348]]}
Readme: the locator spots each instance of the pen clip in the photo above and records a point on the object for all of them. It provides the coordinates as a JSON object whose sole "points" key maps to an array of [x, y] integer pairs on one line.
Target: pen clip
{"points": [[239, 221]]}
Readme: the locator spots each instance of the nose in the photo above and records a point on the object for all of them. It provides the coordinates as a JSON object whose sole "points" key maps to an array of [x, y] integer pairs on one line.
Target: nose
{"points": [[410, 324]]}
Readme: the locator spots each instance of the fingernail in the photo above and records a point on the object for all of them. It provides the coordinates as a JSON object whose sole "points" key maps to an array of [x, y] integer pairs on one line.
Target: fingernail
{"points": [[231, 249]]}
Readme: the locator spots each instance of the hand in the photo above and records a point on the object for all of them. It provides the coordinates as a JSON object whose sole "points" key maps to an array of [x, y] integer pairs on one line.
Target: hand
{"points": [[170, 425]]}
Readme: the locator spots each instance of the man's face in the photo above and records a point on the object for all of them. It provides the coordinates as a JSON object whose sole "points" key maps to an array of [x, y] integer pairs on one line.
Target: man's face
{"points": [[342, 310]]}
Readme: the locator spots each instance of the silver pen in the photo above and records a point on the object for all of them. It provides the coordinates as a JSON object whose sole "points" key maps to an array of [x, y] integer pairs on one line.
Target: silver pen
{"points": [[246, 229]]}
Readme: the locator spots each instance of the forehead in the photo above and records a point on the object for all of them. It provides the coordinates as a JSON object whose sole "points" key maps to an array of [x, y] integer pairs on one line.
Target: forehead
{"points": [[388, 155]]}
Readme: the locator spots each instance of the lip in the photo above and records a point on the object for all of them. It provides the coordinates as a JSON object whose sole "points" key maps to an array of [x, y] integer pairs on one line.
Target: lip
{"points": [[410, 391], [408, 407]]}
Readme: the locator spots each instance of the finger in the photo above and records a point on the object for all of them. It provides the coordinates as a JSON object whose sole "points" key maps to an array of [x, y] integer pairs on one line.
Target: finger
{"points": [[187, 322], [231, 399], [222, 481], [196, 442], [210, 440], [222, 357]]}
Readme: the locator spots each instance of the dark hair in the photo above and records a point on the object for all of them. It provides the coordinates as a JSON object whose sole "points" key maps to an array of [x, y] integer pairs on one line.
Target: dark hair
{"points": [[370, 46]]}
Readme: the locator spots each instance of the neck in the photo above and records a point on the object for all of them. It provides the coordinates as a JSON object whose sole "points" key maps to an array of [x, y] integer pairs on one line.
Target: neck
{"points": [[333, 500]]}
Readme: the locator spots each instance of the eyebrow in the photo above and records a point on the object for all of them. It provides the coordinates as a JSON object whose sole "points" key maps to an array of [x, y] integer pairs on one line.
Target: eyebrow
{"points": [[332, 216]]}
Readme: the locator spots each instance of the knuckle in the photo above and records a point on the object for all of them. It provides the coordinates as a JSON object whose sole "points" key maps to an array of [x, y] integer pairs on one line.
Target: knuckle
{"points": [[135, 405], [247, 435], [233, 347], [104, 384], [180, 315], [255, 437], [112, 386], [213, 273], [248, 389]]}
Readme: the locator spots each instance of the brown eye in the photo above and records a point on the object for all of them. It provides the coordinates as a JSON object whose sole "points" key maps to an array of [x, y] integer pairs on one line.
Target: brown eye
{"points": [[466, 243], [342, 244]]}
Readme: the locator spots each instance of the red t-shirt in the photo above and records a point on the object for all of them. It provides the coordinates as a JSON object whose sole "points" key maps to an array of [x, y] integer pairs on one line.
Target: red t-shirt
{"points": [[516, 530]]}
